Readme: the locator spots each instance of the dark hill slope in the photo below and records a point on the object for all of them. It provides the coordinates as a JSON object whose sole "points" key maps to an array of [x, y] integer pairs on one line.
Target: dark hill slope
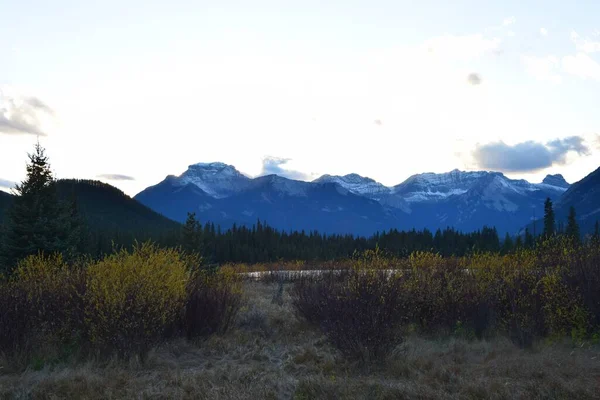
{"points": [[5, 201], [107, 208]]}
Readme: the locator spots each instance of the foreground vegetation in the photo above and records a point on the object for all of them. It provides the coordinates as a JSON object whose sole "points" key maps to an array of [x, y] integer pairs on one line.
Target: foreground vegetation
{"points": [[271, 352], [122, 305], [548, 293]]}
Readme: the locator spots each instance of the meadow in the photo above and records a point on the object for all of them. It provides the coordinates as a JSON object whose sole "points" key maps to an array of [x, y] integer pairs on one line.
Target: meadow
{"points": [[148, 323]]}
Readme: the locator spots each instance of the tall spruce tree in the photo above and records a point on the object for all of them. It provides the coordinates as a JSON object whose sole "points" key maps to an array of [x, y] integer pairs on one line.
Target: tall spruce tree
{"points": [[572, 226], [518, 242], [549, 222], [529, 239], [37, 220], [508, 244], [192, 234], [596, 236]]}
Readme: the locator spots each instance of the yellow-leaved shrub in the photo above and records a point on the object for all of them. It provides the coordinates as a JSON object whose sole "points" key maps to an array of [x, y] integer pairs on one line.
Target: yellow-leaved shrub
{"points": [[41, 307], [133, 296]]}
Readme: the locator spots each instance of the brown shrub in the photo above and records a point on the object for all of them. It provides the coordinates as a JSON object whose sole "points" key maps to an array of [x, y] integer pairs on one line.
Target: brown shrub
{"points": [[361, 311], [212, 302]]}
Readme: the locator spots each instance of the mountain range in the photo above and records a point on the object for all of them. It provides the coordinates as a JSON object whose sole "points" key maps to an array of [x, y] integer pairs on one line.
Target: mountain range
{"points": [[465, 200]]}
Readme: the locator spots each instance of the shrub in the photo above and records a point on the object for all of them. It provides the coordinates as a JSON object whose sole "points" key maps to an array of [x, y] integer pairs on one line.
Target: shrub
{"points": [[41, 308], [361, 311], [211, 304], [582, 276], [14, 319], [133, 296]]}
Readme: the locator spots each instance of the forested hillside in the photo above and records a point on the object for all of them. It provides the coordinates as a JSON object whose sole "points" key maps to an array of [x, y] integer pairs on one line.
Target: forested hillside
{"points": [[5, 200]]}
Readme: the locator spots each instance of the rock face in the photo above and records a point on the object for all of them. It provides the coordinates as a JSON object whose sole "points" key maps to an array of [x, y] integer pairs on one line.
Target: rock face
{"points": [[352, 203], [556, 180]]}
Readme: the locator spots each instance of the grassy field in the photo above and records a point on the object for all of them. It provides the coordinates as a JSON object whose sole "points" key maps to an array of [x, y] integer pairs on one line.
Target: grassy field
{"points": [[272, 354]]}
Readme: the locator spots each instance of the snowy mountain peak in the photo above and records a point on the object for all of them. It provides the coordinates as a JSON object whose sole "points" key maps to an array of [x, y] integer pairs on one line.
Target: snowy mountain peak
{"points": [[357, 184], [556, 180], [213, 168], [217, 179], [431, 186], [488, 185], [282, 185], [356, 178]]}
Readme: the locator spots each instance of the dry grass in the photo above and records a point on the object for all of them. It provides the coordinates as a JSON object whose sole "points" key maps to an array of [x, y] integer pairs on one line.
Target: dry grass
{"points": [[271, 354]]}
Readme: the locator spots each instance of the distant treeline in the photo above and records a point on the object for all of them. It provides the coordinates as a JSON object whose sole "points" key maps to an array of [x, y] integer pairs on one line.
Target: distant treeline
{"points": [[262, 243]]}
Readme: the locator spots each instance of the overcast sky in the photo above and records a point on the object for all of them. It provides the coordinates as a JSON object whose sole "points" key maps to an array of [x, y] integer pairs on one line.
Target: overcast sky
{"points": [[131, 91]]}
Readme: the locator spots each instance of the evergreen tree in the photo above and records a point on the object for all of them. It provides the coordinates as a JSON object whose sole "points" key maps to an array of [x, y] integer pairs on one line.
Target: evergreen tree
{"points": [[572, 226], [518, 242], [192, 234], [549, 222], [596, 236], [507, 245], [37, 220], [561, 228], [529, 239]]}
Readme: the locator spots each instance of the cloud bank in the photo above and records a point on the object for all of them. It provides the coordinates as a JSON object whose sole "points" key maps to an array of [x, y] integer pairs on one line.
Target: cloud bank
{"points": [[527, 156], [7, 184], [275, 165], [116, 177], [585, 45], [22, 115], [582, 65], [509, 21]]}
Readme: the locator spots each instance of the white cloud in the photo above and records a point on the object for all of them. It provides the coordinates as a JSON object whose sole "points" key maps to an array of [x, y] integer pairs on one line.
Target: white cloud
{"points": [[277, 166], [588, 46], [543, 68], [585, 45], [22, 115], [462, 47], [543, 31], [509, 21], [511, 34], [581, 65]]}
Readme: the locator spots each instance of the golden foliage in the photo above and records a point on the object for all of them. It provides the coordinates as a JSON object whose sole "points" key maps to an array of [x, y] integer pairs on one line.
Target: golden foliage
{"points": [[132, 296]]}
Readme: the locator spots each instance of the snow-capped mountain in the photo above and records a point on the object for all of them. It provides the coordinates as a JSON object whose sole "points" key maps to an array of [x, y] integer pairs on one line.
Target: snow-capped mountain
{"points": [[280, 185], [434, 187], [431, 187], [357, 184], [351, 203], [216, 179]]}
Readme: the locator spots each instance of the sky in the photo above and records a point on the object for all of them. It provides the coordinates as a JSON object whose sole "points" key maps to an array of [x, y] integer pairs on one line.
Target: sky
{"points": [[128, 92]]}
